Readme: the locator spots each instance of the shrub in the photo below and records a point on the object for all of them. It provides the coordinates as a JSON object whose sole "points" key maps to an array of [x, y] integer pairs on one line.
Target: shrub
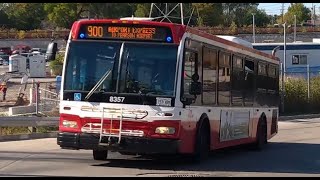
{"points": [[57, 64], [296, 95], [21, 34]]}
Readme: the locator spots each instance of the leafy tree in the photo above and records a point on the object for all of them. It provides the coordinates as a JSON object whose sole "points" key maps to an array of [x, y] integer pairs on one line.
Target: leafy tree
{"points": [[209, 14], [302, 14], [142, 10], [261, 19], [63, 14], [110, 10], [235, 12], [25, 16]]}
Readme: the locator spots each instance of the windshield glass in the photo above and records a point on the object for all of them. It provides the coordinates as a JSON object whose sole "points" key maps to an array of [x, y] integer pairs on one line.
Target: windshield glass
{"points": [[146, 68], [88, 62]]}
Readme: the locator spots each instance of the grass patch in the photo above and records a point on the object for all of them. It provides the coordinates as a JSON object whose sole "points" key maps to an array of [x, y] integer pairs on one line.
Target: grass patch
{"points": [[25, 130]]}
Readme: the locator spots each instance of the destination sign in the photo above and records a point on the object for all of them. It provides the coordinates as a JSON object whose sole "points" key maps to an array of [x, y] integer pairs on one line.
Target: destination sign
{"points": [[126, 31]]}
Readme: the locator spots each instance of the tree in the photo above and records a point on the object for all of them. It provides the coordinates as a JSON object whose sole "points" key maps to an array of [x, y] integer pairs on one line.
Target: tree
{"points": [[260, 16], [110, 10], [302, 14], [25, 16], [4, 19], [63, 14], [235, 12], [142, 10], [209, 14]]}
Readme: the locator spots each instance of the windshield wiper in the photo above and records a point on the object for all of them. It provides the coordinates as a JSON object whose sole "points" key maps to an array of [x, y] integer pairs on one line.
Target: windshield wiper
{"points": [[95, 87]]}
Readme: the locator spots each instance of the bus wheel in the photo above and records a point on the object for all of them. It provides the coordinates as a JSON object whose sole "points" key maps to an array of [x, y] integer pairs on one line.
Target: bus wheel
{"points": [[202, 146], [99, 154], [261, 135]]}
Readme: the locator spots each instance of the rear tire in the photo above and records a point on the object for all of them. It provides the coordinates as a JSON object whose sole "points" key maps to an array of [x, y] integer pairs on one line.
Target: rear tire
{"points": [[261, 136], [202, 145], [99, 154]]}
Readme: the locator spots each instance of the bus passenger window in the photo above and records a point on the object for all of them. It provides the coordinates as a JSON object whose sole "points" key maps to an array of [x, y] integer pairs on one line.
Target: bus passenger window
{"points": [[224, 79], [248, 83], [237, 81], [209, 76]]}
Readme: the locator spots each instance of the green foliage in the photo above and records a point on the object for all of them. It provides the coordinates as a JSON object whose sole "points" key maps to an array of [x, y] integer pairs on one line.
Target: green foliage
{"points": [[25, 16], [57, 64], [142, 10], [63, 14], [25, 130], [296, 96], [302, 14], [29, 16], [235, 12], [261, 19], [233, 28], [296, 93], [21, 34], [209, 14]]}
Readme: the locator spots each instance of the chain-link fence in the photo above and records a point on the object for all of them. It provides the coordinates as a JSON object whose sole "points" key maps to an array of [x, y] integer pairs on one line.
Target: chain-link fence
{"points": [[26, 95], [301, 91], [46, 98]]}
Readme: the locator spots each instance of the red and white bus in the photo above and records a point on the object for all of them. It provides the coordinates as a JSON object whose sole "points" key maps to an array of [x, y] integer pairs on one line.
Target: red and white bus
{"points": [[145, 87]]}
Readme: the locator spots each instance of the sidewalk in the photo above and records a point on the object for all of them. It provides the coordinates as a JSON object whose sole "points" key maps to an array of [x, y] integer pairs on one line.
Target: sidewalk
{"points": [[302, 116]]}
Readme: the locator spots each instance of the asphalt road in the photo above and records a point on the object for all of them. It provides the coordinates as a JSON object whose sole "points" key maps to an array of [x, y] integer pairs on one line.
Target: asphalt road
{"points": [[293, 152]]}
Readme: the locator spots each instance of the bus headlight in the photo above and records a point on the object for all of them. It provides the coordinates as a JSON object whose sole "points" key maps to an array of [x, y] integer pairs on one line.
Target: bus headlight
{"points": [[165, 130], [69, 124]]}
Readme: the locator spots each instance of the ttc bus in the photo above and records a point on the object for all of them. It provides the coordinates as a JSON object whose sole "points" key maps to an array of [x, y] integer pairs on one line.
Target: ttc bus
{"points": [[145, 87]]}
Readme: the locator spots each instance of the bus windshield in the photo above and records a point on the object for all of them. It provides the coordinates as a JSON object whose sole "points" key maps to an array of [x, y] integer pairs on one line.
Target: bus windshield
{"points": [[146, 68]]}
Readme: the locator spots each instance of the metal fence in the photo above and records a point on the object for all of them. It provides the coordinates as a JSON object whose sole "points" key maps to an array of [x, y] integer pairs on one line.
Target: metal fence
{"points": [[41, 98]]}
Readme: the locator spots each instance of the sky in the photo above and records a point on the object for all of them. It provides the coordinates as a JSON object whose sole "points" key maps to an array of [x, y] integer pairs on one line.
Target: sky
{"points": [[275, 8]]}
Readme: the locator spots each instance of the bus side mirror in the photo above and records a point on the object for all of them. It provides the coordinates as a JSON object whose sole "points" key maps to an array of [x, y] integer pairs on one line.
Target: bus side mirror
{"points": [[195, 88], [51, 51]]}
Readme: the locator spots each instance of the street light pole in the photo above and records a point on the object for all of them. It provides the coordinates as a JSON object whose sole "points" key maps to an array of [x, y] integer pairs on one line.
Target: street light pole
{"points": [[295, 28], [284, 48], [253, 30], [283, 67]]}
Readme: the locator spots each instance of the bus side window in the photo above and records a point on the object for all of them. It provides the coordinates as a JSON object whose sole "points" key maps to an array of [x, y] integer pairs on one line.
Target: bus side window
{"points": [[249, 78], [191, 68]]}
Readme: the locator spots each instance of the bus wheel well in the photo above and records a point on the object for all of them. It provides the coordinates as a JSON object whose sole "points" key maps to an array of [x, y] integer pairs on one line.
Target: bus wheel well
{"points": [[263, 118], [204, 121]]}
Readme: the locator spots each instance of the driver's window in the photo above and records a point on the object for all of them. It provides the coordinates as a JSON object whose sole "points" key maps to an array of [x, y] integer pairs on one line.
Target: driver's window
{"points": [[192, 66], [189, 69]]}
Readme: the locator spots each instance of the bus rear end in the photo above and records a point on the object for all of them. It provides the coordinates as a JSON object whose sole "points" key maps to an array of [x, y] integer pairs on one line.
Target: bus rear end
{"points": [[119, 87]]}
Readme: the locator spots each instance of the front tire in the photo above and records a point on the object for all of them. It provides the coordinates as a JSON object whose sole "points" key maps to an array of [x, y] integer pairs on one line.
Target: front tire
{"points": [[100, 154], [202, 145], [261, 136]]}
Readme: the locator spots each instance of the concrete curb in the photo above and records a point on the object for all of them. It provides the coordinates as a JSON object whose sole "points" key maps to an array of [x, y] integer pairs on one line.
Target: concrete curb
{"points": [[304, 116], [27, 136]]}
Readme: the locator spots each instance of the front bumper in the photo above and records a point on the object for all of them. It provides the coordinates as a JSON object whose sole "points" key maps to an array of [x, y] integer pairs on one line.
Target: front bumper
{"points": [[138, 145]]}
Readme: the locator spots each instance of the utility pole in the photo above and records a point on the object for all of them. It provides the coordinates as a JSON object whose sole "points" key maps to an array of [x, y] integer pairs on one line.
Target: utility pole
{"points": [[282, 9], [295, 28], [253, 30], [314, 14]]}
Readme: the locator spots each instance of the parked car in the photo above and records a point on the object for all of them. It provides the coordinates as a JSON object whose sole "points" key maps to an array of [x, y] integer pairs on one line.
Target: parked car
{"points": [[6, 50], [35, 50], [4, 58], [22, 48]]}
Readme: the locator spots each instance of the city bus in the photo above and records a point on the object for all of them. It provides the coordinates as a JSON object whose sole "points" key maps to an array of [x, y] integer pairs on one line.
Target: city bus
{"points": [[155, 88]]}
